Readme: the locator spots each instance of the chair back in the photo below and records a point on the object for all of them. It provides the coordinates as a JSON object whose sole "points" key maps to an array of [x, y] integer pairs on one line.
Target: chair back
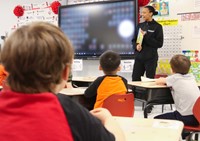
{"points": [[160, 75], [196, 110], [194, 130], [120, 104]]}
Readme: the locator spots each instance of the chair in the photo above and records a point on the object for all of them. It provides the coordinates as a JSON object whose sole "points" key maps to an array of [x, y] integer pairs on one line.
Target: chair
{"points": [[120, 104], [196, 129]]}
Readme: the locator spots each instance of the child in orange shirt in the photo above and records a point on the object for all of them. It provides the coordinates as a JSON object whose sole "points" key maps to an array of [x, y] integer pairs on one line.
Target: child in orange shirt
{"points": [[109, 84]]}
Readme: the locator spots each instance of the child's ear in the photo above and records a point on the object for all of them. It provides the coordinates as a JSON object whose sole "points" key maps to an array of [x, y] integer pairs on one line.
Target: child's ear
{"points": [[65, 74], [100, 68], [172, 71], [119, 68]]}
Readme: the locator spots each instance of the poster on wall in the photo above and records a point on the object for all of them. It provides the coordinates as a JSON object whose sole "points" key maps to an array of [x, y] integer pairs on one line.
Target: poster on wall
{"points": [[161, 6], [196, 31], [77, 65], [197, 3], [37, 12], [127, 65]]}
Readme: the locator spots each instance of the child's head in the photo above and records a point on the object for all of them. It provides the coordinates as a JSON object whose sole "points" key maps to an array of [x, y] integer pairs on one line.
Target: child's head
{"points": [[180, 64], [109, 62], [37, 57]]}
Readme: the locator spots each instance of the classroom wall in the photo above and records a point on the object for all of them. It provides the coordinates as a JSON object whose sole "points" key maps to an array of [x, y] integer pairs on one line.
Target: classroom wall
{"points": [[177, 8], [8, 19], [91, 68], [187, 38]]}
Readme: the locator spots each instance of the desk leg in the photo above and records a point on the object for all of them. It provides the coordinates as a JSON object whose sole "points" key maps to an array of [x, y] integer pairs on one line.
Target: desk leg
{"points": [[145, 112], [147, 105], [146, 108], [157, 97]]}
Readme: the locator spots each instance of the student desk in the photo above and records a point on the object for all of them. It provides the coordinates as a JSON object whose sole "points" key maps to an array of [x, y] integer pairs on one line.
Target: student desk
{"points": [[139, 129], [74, 93], [82, 81], [152, 94]]}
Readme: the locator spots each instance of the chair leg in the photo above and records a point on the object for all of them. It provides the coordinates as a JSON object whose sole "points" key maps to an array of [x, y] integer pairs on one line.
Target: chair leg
{"points": [[193, 137], [143, 106], [171, 106], [164, 105], [196, 137]]}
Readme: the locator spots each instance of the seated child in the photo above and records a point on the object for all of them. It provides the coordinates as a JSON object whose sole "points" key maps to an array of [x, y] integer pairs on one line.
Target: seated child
{"points": [[38, 58], [184, 91], [110, 83]]}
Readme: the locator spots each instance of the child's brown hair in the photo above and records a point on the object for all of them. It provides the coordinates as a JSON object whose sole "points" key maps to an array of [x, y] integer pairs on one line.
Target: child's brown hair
{"points": [[180, 64], [35, 56]]}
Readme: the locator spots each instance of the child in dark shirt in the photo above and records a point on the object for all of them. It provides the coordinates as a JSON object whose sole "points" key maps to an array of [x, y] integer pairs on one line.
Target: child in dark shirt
{"points": [[110, 83]]}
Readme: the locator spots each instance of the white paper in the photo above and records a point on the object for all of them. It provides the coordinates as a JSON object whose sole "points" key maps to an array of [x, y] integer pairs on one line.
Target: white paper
{"points": [[127, 65], [77, 65], [196, 31], [145, 79], [165, 124]]}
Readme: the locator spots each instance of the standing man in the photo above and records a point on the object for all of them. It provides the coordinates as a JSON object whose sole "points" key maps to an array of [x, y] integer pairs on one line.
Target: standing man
{"points": [[146, 55]]}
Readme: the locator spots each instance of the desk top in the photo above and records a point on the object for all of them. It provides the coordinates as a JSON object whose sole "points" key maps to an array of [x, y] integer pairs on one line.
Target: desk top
{"points": [[146, 84], [73, 91], [140, 129], [150, 84], [84, 79]]}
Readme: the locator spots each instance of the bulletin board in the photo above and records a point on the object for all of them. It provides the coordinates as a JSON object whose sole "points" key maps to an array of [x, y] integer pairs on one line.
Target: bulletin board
{"points": [[37, 12], [21, 12]]}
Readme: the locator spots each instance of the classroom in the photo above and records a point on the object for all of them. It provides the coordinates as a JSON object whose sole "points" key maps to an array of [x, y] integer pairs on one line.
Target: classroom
{"points": [[93, 28]]}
